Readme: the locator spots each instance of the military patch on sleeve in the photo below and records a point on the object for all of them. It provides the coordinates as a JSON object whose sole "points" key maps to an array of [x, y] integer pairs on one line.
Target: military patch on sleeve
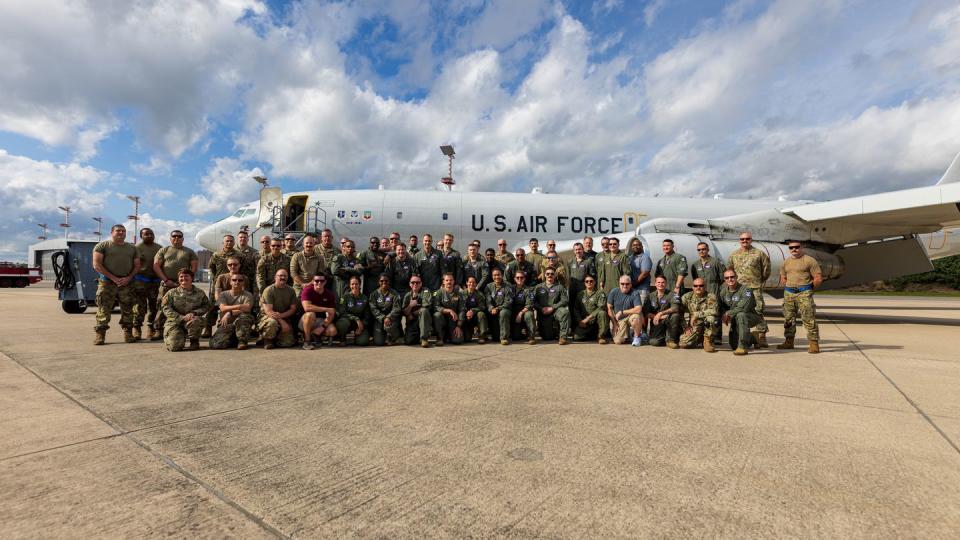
{"points": [[746, 293]]}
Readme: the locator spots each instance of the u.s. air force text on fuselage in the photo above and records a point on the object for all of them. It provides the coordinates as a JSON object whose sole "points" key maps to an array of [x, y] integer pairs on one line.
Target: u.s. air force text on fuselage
{"points": [[538, 224]]}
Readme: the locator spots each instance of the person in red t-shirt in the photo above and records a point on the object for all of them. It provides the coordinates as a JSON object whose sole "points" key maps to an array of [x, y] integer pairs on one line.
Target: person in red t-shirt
{"points": [[320, 307]]}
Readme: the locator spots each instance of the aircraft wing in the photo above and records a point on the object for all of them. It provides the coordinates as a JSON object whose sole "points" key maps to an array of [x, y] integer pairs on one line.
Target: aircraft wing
{"points": [[884, 215]]}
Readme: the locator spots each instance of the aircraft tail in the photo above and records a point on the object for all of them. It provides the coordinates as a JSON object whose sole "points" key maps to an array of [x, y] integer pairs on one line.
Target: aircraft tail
{"points": [[952, 176]]}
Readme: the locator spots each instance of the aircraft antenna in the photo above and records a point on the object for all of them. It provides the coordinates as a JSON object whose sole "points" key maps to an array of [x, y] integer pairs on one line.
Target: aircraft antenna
{"points": [[448, 181]]}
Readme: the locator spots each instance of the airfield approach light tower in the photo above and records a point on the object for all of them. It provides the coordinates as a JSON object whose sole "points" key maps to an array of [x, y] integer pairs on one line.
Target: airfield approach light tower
{"points": [[66, 222], [447, 180], [136, 216], [99, 231], [43, 231]]}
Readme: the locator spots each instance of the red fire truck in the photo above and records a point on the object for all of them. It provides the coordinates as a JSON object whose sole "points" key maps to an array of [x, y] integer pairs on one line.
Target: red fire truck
{"points": [[18, 275]]}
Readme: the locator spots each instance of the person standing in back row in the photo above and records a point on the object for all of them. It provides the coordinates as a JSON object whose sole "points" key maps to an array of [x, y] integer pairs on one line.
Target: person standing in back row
{"points": [[752, 267], [146, 285], [117, 261], [799, 275]]}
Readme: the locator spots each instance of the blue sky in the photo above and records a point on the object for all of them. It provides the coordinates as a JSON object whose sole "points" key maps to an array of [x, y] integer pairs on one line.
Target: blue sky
{"points": [[181, 101]]}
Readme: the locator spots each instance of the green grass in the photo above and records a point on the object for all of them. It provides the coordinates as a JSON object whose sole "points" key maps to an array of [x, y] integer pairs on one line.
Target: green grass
{"points": [[890, 293]]}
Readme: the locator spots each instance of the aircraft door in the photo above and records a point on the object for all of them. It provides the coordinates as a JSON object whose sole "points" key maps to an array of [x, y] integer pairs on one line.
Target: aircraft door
{"points": [[271, 201]]}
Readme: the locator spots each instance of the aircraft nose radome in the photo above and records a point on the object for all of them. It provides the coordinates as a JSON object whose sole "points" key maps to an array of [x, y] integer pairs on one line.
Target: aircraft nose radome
{"points": [[204, 236]]}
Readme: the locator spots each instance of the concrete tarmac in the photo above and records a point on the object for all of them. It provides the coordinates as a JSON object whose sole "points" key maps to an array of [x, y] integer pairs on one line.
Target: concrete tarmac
{"points": [[484, 441]]}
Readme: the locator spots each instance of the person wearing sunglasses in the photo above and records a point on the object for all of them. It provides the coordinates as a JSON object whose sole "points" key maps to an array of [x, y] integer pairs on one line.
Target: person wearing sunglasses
{"points": [[306, 264], [523, 307], [700, 314], [625, 311], [417, 313], [278, 310], [385, 308], [800, 274], [224, 281], [184, 308], [503, 254], [553, 307], [521, 265], [590, 311], [236, 319], [265, 245], [752, 267], [319, 310], [710, 269], [740, 304], [117, 263], [166, 263], [269, 264]]}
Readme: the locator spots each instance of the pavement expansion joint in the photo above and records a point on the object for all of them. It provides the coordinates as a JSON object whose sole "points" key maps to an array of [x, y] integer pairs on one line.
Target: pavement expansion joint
{"points": [[909, 400], [715, 386], [163, 458]]}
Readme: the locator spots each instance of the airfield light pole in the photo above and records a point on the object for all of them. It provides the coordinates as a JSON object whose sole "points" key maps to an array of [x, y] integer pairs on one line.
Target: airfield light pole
{"points": [[447, 180], [43, 231], [66, 222], [99, 231], [136, 216]]}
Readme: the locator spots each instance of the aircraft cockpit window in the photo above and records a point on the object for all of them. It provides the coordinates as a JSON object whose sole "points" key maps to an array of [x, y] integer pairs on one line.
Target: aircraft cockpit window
{"points": [[250, 211], [239, 213]]}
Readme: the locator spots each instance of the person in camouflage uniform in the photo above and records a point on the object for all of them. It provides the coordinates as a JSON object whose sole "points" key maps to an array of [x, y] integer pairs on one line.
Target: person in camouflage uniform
{"points": [[553, 307], [385, 310], [279, 304], [236, 318], [185, 308], [590, 312], [325, 248], [429, 260], [345, 266], [752, 267], [249, 257], [373, 265], [503, 255], [673, 267], [146, 286], [700, 308], [663, 310], [474, 266], [800, 275], [447, 309], [270, 263], [353, 313], [499, 303], [417, 313], [290, 247], [218, 266], [739, 301], [265, 245], [400, 269], [166, 263], [117, 262], [523, 309], [474, 315], [611, 265], [710, 269]]}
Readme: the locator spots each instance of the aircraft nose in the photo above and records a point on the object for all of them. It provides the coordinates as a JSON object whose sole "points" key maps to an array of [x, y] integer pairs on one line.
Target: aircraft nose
{"points": [[206, 238]]}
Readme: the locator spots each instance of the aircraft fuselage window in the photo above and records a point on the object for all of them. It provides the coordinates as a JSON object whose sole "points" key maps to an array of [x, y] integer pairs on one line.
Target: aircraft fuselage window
{"points": [[399, 215], [445, 216], [239, 213]]}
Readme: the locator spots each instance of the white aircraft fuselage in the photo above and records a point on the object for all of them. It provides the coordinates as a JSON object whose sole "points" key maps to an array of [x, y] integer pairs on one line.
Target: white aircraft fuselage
{"points": [[485, 216]]}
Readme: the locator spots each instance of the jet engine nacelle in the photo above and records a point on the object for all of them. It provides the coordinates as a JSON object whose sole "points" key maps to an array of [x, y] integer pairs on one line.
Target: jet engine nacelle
{"points": [[686, 244]]}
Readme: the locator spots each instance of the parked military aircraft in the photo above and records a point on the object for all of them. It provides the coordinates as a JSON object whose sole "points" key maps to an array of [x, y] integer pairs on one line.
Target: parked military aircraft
{"points": [[856, 240]]}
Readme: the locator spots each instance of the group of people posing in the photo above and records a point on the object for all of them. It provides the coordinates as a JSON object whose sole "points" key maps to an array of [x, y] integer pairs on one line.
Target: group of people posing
{"points": [[413, 293]]}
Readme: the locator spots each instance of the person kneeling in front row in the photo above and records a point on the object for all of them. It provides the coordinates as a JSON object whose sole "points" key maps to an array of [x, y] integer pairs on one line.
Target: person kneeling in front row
{"points": [[185, 308], [235, 318]]}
